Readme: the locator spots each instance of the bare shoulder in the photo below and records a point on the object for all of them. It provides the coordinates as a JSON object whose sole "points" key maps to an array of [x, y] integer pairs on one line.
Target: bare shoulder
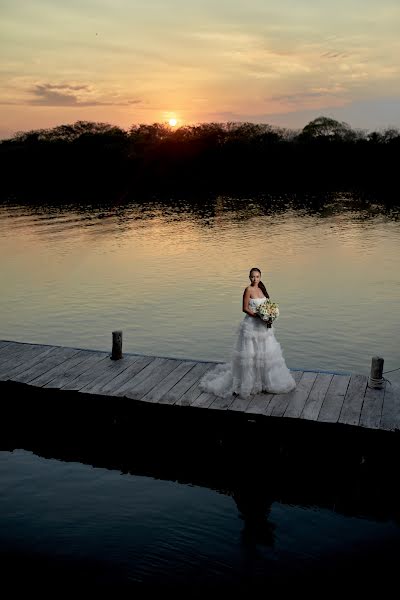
{"points": [[247, 291]]}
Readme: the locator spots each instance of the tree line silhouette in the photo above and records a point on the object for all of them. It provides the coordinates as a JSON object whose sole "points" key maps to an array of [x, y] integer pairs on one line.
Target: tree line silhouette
{"points": [[88, 159]]}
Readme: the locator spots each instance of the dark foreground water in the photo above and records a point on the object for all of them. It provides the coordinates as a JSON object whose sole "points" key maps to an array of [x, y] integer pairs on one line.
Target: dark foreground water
{"points": [[98, 525], [140, 499]]}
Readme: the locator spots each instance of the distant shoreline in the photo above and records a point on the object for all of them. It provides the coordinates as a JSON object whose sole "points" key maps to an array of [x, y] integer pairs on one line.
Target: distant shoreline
{"points": [[86, 160]]}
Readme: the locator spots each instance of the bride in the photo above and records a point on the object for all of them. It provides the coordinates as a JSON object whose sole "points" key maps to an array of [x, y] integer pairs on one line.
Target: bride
{"points": [[257, 363]]}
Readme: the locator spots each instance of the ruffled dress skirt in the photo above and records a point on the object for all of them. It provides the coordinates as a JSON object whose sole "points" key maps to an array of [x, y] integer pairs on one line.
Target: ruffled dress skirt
{"points": [[257, 365]]}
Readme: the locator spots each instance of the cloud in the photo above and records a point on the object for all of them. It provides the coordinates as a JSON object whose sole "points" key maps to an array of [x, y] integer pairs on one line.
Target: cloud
{"points": [[297, 97], [49, 94], [335, 54], [333, 93]]}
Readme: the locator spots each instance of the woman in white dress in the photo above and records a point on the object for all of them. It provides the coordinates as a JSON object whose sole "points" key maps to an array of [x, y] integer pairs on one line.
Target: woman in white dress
{"points": [[257, 363]]}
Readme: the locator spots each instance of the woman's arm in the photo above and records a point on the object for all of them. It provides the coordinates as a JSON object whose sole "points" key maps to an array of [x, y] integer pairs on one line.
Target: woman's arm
{"points": [[246, 298]]}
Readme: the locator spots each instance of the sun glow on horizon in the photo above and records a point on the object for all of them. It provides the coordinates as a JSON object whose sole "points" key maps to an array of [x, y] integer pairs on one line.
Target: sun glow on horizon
{"points": [[172, 122]]}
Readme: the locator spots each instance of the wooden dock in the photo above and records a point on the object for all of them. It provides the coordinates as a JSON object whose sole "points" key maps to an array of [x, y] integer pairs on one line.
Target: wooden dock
{"points": [[319, 396]]}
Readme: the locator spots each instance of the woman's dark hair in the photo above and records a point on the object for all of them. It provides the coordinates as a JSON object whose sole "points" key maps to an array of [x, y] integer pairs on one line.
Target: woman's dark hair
{"points": [[260, 283]]}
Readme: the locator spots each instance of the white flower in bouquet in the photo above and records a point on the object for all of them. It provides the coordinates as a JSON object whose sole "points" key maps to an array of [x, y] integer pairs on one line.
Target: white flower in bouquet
{"points": [[268, 310]]}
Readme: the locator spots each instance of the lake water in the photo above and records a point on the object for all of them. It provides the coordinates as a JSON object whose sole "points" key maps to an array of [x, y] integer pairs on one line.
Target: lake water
{"points": [[171, 276]]}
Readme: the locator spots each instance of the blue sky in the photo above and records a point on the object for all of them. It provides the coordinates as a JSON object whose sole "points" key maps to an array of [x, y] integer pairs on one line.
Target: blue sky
{"points": [[135, 61]]}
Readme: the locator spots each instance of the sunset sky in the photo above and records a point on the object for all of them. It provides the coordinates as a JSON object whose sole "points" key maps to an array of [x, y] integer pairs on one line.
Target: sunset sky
{"points": [[133, 61]]}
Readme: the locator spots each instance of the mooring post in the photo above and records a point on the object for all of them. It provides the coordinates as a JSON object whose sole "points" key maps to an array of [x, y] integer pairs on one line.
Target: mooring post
{"points": [[375, 379], [116, 353]]}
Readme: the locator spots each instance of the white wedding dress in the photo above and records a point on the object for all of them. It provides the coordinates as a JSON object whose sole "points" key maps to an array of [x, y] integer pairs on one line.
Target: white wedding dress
{"points": [[257, 363]]}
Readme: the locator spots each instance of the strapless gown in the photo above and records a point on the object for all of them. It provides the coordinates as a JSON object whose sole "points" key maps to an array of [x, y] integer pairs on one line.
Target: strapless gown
{"points": [[257, 363]]}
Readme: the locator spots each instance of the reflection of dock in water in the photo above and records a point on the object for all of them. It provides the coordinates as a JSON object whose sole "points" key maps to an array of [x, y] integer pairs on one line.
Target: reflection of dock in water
{"points": [[320, 397], [257, 462]]}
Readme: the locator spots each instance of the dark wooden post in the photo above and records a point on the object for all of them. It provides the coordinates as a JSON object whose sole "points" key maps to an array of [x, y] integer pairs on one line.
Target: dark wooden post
{"points": [[116, 353], [375, 379]]}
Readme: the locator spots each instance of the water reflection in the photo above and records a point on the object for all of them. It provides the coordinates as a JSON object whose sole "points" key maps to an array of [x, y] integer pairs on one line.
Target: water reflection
{"points": [[254, 499], [178, 497], [346, 470], [207, 210], [208, 214]]}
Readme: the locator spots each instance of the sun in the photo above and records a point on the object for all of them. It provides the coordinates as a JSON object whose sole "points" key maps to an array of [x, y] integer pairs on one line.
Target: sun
{"points": [[172, 122]]}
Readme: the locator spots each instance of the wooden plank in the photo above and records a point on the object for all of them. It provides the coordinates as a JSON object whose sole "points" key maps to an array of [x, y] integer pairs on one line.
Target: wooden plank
{"points": [[139, 363], [181, 387], [58, 370], [14, 354], [158, 391], [391, 407], [371, 411], [139, 377], [204, 400], [333, 401], [72, 374], [240, 404], [20, 350], [88, 375], [139, 390], [51, 360], [10, 349], [299, 395], [21, 358], [353, 400], [4, 343], [316, 397], [259, 403], [110, 369], [74, 367], [222, 403], [279, 402], [31, 362], [193, 392]]}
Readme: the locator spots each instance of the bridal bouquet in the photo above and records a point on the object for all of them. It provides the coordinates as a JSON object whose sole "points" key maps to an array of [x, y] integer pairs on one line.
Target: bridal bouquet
{"points": [[268, 311]]}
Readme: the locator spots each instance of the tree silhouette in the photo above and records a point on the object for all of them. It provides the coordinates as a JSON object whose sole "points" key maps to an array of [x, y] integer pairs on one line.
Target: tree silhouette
{"points": [[328, 129], [86, 159]]}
